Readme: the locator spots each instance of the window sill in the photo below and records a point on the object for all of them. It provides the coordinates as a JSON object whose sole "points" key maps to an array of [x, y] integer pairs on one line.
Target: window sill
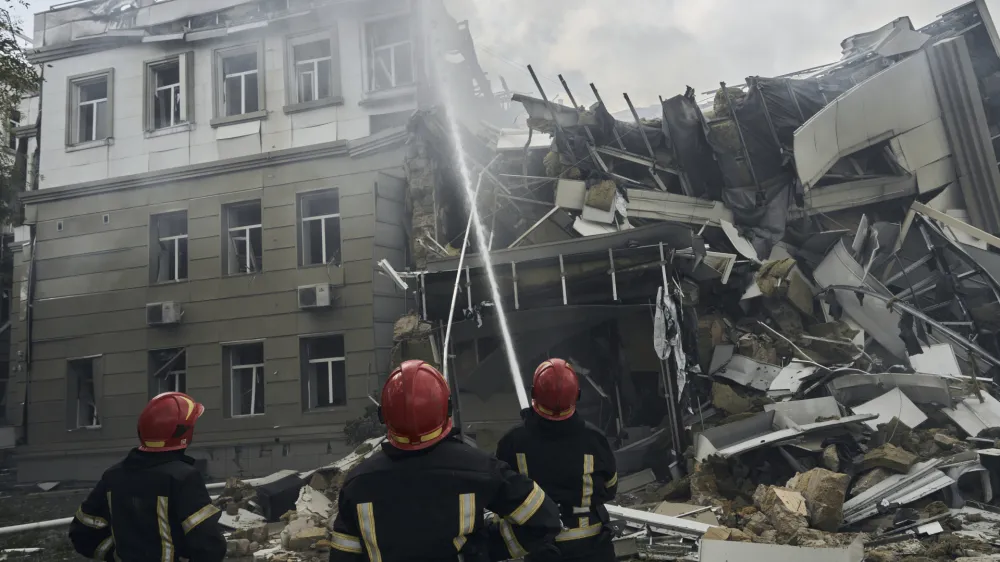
{"points": [[315, 104], [247, 416], [389, 95], [242, 118], [162, 283], [182, 128], [319, 265], [327, 410], [86, 428], [242, 273], [90, 144]]}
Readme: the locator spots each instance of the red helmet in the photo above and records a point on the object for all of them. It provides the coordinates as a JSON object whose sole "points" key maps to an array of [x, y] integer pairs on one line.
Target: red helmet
{"points": [[167, 422], [416, 406], [555, 390]]}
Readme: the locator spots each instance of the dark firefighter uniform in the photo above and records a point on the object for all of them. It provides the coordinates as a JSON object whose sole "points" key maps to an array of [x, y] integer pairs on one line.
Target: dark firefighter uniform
{"points": [[422, 496], [150, 507], [572, 461]]}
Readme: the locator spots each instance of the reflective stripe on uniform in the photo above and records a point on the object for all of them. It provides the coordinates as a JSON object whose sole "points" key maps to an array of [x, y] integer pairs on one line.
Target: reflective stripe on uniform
{"points": [[530, 505], [111, 517], [522, 463], [513, 546], [466, 519], [92, 521], [103, 548], [612, 481], [366, 520], [198, 517], [346, 543], [588, 480], [579, 533], [163, 522]]}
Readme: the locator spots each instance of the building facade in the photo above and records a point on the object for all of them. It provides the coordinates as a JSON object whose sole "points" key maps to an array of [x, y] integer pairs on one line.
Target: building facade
{"points": [[215, 183]]}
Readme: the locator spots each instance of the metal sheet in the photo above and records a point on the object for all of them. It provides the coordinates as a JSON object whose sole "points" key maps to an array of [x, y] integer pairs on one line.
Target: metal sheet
{"points": [[922, 389], [938, 359], [727, 551], [840, 268], [974, 417], [791, 378], [657, 521], [892, 404], [806, 411], [747, 372], [922, 480]]}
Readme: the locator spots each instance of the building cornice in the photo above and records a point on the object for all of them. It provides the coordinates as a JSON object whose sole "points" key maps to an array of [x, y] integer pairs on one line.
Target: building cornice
{"points": [[77, 48], [354, 149]]}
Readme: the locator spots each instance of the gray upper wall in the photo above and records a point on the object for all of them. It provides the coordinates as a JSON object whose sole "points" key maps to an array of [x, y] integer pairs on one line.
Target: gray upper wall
{"points": [[92, 285]]}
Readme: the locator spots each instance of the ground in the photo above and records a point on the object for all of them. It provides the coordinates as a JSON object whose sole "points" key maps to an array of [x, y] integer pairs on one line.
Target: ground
{"points": [[19, 505]]}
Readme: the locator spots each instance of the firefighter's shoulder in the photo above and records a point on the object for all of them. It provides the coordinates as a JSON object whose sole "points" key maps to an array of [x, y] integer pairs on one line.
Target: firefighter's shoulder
{"points": [[593, 431]]}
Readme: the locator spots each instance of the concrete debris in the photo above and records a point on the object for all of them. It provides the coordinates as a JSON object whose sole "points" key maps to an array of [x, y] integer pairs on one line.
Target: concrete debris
{"points": [[824, 492], [870, 478], [890, 457], [785, 509]]}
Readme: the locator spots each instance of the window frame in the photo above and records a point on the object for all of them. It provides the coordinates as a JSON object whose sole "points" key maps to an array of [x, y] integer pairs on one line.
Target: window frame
{"points": [[230, 372], [300, 224], [227, 230], [307, 375], [154, 242], [368, 54], [73, 84], [219, 87], [73, 393], [185, 71], [153, 368], [292, 103]]}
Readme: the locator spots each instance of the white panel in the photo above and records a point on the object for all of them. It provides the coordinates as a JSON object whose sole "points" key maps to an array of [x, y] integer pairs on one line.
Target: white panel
{"points": [[313, 117], [166, 159], [276, 141], [238, 130], [128, 166], [892, 404], [921, 146], [938, 174], [314, 135], [243, 146], [353, 128]]}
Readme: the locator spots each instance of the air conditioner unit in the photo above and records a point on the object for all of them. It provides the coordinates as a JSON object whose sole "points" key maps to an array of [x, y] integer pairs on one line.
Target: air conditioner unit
{"points": [[315, 296], [160, 313]]}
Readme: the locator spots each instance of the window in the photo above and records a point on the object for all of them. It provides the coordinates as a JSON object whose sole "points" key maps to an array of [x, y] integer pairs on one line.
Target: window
{"points": [[313, 73], [239, 82], [390, 53], [320, 231], [90, 108], [244, 251], [82, 408], [13, 122], [169, 247], [324, 371], [169, 89], [246, 379], [167, 371]]}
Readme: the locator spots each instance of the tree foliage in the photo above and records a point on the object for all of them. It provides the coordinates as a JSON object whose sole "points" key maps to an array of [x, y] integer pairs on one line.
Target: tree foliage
{"points": [[17, 79]]}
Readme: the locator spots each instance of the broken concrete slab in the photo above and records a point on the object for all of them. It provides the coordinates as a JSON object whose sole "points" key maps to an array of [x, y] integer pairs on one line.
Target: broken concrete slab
{"points": [[785, 508], [824, 492], [313, 505], [891, 404], [869, 479], [890, 457], [727, 400]]}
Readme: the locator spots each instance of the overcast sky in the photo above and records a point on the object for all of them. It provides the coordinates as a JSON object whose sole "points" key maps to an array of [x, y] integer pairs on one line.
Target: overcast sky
{"points": [[657, 47]]}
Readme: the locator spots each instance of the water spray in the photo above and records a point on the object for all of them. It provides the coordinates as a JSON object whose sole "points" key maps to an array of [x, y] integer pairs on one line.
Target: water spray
{"points": [[484, 253]]}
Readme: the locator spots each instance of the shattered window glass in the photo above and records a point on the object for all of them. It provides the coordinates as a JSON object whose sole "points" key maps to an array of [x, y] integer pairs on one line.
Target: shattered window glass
{"points": [[81, 372], [247, 379], [169, 370], [320, 228], [15, 122], [390, 55], [246, 249], [167, 95], [312, 70], [239, 74], [171, 258], [326, 383], [92, 110]]}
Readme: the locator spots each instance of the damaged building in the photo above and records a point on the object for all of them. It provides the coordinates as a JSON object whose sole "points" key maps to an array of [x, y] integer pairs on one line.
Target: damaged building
{"points": [[214, 183]]}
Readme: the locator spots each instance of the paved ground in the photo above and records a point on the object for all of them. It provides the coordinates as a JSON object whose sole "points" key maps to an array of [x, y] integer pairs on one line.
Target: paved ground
{"points": [[26, 505]]}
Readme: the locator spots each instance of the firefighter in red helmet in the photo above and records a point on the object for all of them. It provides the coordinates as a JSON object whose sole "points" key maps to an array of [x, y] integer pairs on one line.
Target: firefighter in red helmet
{"points": [[422, 496], [569, 458], [153, 505]]}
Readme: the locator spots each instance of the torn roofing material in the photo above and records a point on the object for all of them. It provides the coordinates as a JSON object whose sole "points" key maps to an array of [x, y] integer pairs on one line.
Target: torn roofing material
{"points": [[892, 404], [854, 389], [922, 480], [974, 416]]}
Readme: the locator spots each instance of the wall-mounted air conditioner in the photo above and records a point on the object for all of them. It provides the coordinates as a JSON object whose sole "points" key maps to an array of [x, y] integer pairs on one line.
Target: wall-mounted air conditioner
{"points": [[160, 313], [315, 296]]}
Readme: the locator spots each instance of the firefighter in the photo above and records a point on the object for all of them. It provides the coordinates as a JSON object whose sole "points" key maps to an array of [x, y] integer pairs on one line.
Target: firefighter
{"points": [[569, 458], [422, 495], [153, 506]]}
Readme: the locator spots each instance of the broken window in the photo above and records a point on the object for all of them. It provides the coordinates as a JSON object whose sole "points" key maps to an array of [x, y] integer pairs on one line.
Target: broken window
{"points": [[168, 371], [325, 372], [169, 90], [320, 234], [246, 379], [240, 83], [169, 255], [90, 115], [13, 122], [313, 70], [390, 53], [82, 394], [245, 250]]}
